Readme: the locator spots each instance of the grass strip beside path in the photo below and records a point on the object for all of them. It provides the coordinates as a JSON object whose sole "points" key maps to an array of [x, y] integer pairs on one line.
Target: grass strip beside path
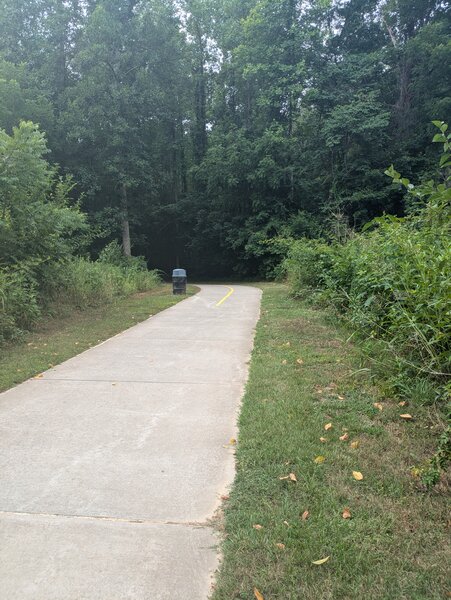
{"points": [[303, 387], [58, 339]]}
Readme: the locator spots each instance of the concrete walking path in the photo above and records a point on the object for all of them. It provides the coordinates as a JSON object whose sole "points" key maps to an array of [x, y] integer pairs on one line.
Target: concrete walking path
{"points": [[113, 462]]}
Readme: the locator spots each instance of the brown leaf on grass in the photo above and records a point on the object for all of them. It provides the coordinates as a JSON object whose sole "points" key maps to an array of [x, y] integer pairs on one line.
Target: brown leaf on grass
{"points": [[357, 475], [344, 437], [225, 497], [406, 417], [355, 444], [323, 439], [40, 376], [346, 513], [232, 441], [258, 595], [305, 515], [340, 397], [286, 523], [300, 361], [280, 546], [291, 477], [319, 460], [328, 426], [378, 405], [257, 526], [321, 561], [284, 362], [287, 344], [403, 403]]}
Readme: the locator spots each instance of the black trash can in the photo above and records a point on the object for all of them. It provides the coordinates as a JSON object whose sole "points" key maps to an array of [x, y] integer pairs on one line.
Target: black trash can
{"points": [[179, 281]]}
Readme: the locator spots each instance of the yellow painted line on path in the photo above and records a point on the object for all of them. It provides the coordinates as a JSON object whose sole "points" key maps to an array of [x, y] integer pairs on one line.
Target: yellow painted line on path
{"points": [[229, 293]]}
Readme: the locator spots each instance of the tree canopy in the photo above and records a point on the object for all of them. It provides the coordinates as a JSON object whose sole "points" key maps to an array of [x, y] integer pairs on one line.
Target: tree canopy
{"points": [[199, 131]]}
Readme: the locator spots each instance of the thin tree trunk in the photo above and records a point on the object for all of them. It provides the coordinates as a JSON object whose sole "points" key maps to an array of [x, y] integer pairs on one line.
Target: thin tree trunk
{"points": [[126, 244]]}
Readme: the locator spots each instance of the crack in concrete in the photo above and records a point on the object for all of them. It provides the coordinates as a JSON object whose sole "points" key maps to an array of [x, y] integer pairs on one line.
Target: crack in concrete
{"points": [[54, 379], [135, 521]]}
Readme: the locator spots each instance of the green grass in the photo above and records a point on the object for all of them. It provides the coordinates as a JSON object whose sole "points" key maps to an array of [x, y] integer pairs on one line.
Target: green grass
{"points": [[57, 339], [395, 544]]}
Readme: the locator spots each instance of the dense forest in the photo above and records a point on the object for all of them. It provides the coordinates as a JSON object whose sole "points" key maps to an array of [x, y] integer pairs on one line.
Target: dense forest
{"points": [[200, 132]]}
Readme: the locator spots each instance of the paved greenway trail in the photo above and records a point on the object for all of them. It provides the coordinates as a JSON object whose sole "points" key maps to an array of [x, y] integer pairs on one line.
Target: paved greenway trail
{"points": [[112, 463]]}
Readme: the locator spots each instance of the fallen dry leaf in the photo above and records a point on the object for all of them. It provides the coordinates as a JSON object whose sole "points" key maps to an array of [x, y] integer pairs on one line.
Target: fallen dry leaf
{"points": [[328, 426], [305, 515], [284, 362], [323, 439], [280, 546], [357, 475], [406, 417], [258, 595], [346, 513], [291, 477], [319, 460], [257, 526], [378, 405], [321, 561], [355, 444], [300, 361], [403, 403], [340, 397], [225, 497], [232, 441], [286, 523], [344, 437]]}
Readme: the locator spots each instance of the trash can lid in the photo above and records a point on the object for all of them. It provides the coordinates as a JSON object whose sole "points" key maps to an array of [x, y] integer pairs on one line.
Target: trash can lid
{"points": [[179, 273]]}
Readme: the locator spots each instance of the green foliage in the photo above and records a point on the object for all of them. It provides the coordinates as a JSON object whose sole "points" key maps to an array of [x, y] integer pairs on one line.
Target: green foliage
{"points": [[37, 222], [209, 128], [41, 233], [393, 282], [19, 308], [86, 283], [112, 254]]}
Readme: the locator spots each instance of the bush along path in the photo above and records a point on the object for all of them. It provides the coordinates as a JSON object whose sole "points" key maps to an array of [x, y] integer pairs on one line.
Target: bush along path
{"points": [[327, 502]]}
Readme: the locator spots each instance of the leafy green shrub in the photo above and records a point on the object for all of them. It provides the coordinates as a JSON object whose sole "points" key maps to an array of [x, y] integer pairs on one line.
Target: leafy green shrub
{"points": [[393, 281], [112, 254], [86, 283], [307, 265], [19, 308]]}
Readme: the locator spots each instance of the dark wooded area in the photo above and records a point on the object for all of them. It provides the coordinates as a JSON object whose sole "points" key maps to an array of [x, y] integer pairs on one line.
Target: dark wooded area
{"points": [[210, 127]]}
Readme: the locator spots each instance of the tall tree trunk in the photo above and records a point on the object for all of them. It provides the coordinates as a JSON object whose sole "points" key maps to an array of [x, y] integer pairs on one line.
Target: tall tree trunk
{"points": [[126, 244], [200, 98]]}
